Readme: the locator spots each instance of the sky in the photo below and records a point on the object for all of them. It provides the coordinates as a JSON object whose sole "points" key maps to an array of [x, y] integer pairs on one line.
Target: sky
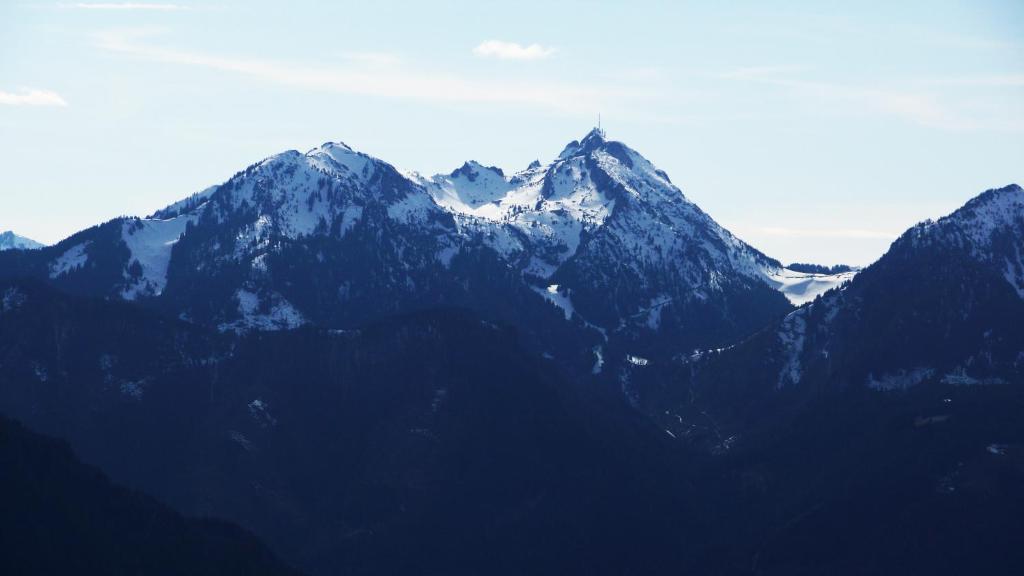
{"points": [[815, 131]]}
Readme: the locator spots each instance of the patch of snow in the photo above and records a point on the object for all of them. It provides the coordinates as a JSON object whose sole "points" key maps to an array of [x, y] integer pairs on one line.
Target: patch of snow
{"points": [[959, 377], [598, 360], [654, 317], [724, 446], [150, 243], [72, 259], [900, 379], [997, 449], [699, 354], [651, 313], [338, 159], [1013, 271], [414, 208], [636, 360], [550, 206], [260, 412], [446, 254], [349, 217], [802, 287], [12, 299], [276, 314], [472, 189], [558, 298], [792, 337], [976, 227], [191, 204]]}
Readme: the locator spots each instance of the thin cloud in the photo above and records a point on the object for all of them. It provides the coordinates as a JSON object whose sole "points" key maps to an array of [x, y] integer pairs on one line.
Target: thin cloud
{"points": [[32, 97], [919, 108], [372, 58], [916, 106], [390, 81], [512, 51], [129, 6], [761, 72], [1006, 80]]}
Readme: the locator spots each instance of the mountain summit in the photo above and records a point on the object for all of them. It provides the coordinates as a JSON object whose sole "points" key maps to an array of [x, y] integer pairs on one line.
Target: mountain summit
{"points": [[606, 235], [597, 241]]}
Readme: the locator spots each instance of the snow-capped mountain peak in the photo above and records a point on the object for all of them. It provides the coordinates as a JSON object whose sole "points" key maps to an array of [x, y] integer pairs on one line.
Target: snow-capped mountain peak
{"points": [[994, 211], [991, 212], [302, 236], [989, 228], [594, 139], [339, 159]]}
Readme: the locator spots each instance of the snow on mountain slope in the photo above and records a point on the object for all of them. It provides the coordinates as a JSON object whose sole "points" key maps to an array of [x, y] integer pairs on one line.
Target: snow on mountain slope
{"points": [[934, 313], [324, 192], [622, 242], [300, 237], [595, 219], [188, 204], [980, 220], [11, 241], [150, 242], [256, 313], [933, 306], [803, 287], [549, 206], [294, 195], [472, 189], [72, 259], [990, 227], [557, 205]]}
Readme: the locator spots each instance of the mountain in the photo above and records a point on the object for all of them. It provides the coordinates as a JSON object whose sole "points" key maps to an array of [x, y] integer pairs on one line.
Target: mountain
{"points": [[382, 373], [891, 401], [596, 247], [11, 241], [63, 517], [570, 368], [609, 238], [943, 307], [389, 446]]}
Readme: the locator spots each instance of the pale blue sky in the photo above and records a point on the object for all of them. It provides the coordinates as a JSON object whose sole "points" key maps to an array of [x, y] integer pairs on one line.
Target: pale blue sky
{"points": [[816, 131]]}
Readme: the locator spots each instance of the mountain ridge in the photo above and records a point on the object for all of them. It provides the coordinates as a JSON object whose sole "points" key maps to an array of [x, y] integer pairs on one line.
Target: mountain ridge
{"points": [[334, 237], [939, 309]]}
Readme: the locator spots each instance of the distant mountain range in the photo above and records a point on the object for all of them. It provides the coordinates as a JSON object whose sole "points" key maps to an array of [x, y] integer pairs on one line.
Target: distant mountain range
{"points": [[571, 368], [10, 241], [597, 243]]}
